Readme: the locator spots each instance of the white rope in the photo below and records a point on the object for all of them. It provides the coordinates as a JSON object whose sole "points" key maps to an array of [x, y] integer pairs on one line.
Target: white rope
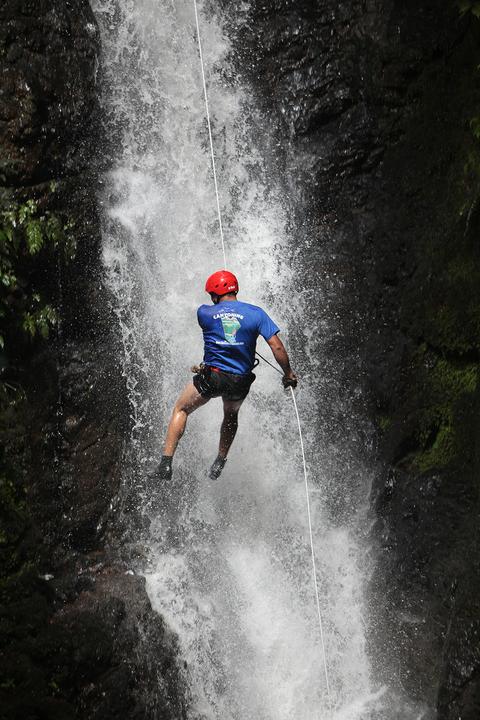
{"points": [[210, 135], [314, 569], [314, 566]]}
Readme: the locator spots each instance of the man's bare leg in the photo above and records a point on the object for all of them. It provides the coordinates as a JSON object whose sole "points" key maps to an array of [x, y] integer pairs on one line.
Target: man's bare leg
{"points": [[229, 425], [189, 400], [228, 431]]}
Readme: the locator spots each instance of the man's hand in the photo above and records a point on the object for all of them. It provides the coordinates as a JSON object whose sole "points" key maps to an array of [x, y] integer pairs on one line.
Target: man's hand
{"points": [[289, 380], [280, 354]]}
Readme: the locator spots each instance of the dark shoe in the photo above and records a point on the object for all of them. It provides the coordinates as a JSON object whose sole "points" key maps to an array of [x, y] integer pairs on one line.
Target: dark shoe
{"points": [[217, 467], [158, 487]]}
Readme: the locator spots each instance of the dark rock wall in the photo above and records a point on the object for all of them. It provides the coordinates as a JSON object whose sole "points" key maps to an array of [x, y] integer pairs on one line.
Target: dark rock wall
{"points": [[377, 104], [75, 626], [48, 64], [376, 107], [425, 383]]}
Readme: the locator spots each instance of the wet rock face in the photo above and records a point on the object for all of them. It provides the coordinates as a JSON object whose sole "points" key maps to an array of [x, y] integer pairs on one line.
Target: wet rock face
{"points": [[376, 104], [75, 625], [111, 634], [48, 114], [80, 645], [48, 59]]}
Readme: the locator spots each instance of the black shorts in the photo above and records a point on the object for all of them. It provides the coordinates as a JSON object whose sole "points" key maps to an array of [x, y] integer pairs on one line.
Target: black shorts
{"points": [[212, 383]]}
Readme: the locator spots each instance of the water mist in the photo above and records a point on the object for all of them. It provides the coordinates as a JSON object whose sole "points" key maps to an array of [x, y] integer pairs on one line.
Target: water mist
{"points": [[232, 577]]}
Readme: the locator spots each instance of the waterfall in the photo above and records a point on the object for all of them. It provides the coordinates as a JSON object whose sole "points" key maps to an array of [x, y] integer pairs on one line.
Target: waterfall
{"points": [[230, 572]]}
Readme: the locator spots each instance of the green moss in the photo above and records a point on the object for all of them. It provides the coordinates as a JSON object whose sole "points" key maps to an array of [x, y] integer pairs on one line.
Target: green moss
{"points": [[384, 422], [448, 307], [446, 387], [452, 380], [442, 452]]}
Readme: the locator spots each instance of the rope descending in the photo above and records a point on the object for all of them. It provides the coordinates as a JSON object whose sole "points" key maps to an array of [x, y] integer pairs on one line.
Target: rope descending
{"points": [[207, 112], [314, 567], [309, 516]]}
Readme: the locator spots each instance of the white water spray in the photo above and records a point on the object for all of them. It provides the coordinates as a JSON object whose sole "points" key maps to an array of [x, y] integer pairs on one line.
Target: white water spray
{"points": [[233, 579], [297, 416]]}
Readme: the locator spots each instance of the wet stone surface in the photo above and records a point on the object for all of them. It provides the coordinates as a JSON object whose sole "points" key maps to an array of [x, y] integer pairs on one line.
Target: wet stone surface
{"points": [[373, 105], [78, 631]]}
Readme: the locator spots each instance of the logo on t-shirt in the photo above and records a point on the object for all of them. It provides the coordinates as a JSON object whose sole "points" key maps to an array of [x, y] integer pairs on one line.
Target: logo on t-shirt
{"points": [[231, 325]]}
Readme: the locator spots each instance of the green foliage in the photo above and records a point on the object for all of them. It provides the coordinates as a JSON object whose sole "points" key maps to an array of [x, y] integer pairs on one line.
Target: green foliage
{"points": [[475, 127], [28, 239], [469, 6]]}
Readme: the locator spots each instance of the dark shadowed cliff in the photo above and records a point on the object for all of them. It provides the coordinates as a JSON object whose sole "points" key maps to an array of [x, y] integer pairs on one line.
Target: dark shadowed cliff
{"points": [[377, 105], [73, 620]]}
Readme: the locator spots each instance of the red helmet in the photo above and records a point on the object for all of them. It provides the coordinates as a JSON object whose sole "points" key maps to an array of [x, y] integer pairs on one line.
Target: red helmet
{"points": [[222, 282]]}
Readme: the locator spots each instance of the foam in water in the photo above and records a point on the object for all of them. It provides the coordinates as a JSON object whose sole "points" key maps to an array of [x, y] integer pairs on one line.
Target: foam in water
{"points": [[235, 581]]}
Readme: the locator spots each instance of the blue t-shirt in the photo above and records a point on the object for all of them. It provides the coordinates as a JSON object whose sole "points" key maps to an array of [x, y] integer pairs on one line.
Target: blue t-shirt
{"points": [[230, 332]]}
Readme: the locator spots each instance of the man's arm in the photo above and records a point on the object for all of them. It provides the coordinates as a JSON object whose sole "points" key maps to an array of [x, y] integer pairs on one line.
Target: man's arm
{"points": [[281, 356]]}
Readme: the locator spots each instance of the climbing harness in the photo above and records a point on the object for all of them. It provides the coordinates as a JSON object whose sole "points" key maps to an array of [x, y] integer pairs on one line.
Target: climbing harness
{"points": [[300, 435]]}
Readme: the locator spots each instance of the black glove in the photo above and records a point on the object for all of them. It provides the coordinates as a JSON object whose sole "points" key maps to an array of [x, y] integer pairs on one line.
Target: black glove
{"points": [[289, 380]]}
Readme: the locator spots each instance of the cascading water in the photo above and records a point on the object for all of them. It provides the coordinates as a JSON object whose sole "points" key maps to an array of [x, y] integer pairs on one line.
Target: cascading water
{"points": [[231, 571]]}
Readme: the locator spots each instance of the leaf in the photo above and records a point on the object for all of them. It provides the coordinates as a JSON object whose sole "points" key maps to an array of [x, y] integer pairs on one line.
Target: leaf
{"points": [[464, 6], [53, 229], [7, 277], [10, 217], [475, 127], [27, 211], [28, 324], [34, 236], [49, 314], [43, 328]]}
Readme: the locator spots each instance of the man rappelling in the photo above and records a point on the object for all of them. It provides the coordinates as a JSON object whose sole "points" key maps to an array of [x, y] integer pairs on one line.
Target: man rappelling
{"points": [[230, 331]]}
